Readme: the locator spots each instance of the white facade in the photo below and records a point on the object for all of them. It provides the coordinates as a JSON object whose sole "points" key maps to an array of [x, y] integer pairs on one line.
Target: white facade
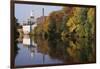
{"points": [[26, 28]]}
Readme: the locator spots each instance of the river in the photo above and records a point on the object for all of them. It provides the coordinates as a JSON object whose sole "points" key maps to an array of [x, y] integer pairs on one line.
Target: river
{"points": [[38, 51]]}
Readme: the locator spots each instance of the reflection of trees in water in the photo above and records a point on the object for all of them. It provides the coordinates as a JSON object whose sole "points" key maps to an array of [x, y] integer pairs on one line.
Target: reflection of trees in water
{"points": [[16, 49], [16, 35], [42, 45], [58, 49], [86, 50], [15, 43], [80, 50]]}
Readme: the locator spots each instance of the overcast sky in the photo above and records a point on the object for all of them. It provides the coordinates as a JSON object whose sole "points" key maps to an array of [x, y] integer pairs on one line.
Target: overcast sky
{"points": [[23, 11]]}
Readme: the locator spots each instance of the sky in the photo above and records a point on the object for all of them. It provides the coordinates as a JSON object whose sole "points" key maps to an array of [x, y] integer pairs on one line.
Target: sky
{"points": [[23, 11]]}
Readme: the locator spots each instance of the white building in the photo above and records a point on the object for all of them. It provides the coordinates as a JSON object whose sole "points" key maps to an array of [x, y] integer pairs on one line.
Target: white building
{"points": [[26, 28]]}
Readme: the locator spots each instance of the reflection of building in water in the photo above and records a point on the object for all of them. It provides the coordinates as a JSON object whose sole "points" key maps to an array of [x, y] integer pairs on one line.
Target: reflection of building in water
{"points": [[32, 50], [27, 42]]}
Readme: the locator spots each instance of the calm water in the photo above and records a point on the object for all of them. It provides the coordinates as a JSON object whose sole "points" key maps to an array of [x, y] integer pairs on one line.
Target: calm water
{"points": [[37, 50]]}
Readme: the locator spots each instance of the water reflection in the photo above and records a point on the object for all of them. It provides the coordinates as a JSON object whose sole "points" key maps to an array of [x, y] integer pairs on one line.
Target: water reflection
{"points": [[37, 50]]}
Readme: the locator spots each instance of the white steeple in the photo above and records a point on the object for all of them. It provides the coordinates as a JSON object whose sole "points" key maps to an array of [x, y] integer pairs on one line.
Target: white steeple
{"points": [[32, 18], [32, 13]]}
